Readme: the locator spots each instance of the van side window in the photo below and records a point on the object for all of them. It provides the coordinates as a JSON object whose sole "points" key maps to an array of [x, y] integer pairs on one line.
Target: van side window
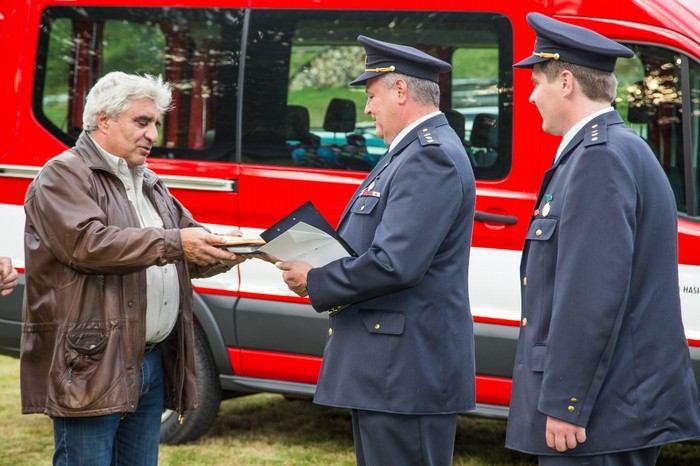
{"points": [[196, 50], [298, 109], [649, 99]]}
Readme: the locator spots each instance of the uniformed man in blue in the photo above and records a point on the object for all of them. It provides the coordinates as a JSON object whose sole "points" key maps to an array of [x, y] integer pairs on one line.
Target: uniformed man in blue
{"points": [[400, 349], [602, 373]]}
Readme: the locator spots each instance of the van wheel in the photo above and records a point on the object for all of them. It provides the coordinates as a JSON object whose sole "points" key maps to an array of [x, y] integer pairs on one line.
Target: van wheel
{"points": [[197, 421]]}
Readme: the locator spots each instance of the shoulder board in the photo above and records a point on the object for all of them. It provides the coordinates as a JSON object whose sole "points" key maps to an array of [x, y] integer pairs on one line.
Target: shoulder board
{"points": [[595, 132], [426, 137]]}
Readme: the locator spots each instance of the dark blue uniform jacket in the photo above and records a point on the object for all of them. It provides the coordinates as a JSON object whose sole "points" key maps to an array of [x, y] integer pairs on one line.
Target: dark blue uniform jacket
{"points": [[405, 342], [601, 340]]}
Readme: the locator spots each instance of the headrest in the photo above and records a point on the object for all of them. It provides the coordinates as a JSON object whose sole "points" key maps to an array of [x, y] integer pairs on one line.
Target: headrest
{"points": [[456, 121], [297, 121], [340, 116], [484, 131]]}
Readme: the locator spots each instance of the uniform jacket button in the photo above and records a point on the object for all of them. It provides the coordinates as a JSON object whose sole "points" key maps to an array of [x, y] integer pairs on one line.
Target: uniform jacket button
{"points": [[571, 408], [377, 326], [538, 232], [524, 321], [330, 332]]}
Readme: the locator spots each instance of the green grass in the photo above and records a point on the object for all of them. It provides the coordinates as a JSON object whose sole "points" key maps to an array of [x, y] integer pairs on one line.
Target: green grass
{"points": [[268, 430]]}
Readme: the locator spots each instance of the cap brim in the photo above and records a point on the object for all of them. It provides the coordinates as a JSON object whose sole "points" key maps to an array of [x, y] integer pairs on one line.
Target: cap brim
{"points": [[364, 77], [530, 61]]}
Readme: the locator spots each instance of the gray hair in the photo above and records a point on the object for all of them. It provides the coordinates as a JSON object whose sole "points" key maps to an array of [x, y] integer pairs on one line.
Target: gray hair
{"points": [[112, 93], [421, 90]]}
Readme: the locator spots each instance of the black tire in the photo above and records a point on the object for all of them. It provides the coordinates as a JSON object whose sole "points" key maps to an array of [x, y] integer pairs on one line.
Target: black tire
{"points": [[198, 421]]}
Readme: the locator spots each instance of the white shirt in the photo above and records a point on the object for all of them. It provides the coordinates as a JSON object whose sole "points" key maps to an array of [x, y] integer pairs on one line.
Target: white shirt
{"points": [[577, 127], [162, 284], [411, 127]]}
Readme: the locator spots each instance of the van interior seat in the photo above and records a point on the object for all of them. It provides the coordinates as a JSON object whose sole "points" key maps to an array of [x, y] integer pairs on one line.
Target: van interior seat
{"points": [[484, 139], [298, 126], [340, 116], [457, 122]]}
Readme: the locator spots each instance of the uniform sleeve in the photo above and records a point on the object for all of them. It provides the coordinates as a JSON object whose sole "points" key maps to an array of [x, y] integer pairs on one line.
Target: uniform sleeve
{"points": [[423, 201], [67, 217], [592, 278]]}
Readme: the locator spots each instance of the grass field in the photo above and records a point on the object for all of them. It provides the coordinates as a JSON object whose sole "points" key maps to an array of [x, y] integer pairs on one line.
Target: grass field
{"points": [[267, 430]]}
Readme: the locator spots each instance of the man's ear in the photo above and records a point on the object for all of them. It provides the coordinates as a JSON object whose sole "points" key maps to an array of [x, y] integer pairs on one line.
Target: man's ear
{"points": [[566, 83], [401, 88], [103, 121]]}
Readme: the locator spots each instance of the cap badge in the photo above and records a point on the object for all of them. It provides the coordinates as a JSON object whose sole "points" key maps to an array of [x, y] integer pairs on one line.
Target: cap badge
{"points": [[387, 69], [549, 56]]}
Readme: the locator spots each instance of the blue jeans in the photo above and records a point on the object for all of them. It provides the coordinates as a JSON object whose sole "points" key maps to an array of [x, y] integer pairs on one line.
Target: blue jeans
{"points": [[116, 439]]}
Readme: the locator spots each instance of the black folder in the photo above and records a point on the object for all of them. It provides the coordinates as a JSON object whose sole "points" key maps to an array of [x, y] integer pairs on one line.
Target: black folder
{"points": [[308, 214]]}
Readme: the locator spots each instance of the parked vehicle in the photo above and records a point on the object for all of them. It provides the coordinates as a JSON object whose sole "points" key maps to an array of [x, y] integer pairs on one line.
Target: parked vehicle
{"points": [[264, 121]]}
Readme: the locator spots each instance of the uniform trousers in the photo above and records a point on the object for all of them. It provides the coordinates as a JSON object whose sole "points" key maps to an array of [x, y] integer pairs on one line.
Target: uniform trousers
{"points": [[385, 439], [644, 457]]}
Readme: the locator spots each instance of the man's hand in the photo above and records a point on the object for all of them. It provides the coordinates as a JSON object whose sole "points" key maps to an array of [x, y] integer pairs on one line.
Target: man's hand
{"points": [[8, 276], [295, 275], [200, 247], [562, 436]]}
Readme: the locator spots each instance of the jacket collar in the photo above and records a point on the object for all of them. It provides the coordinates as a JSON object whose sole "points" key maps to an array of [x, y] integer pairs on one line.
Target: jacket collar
{"points": [[437, 120], [606, 119]]}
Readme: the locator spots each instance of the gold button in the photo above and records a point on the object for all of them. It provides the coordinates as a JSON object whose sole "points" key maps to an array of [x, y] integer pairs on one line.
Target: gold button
{"points": [[524, 281], [538, 232], [595, 138], [594, 126], [524, 321], [377, 326], [362, 207], [571, 408], [330, 332], [574, 399]]}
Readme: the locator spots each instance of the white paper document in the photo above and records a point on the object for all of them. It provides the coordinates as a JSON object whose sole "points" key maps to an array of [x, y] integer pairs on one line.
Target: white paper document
{"points": [[306, 243]]}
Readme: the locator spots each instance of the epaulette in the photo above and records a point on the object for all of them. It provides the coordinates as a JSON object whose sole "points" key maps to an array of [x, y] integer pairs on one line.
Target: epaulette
{"points": [[596, 132], [426, 138]]}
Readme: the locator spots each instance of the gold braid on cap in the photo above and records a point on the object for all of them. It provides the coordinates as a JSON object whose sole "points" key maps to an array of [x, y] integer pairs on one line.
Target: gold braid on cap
{"points": [[549, 56], [387, 69]]}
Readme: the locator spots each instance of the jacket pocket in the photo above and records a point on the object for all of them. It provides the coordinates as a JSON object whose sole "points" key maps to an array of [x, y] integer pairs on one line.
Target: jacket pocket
{"points": [[538, 353], [88, 369], [541, 229], [364, 205], [383, 322]]}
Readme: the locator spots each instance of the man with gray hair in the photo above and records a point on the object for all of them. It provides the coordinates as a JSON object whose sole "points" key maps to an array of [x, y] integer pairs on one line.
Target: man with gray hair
{"points": [[400, 350], [107, 337]]}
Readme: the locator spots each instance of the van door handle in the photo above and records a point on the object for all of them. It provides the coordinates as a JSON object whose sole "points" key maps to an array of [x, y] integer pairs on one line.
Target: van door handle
{"points": [[480, 216]]}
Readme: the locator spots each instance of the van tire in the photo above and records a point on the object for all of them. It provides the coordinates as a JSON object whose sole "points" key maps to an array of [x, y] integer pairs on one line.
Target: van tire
{"points": [[197, 421]]}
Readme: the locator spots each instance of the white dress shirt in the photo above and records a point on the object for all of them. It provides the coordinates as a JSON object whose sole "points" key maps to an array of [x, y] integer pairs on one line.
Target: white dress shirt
{"points": [[162, 284], [576, 128]]}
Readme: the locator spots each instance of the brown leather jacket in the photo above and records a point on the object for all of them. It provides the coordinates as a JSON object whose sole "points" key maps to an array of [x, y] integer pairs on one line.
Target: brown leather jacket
{"points": [[83, 331]]}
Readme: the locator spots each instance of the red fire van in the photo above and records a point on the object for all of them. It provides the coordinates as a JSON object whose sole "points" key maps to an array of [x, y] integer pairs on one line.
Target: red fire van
{"points": [[264, 121]]}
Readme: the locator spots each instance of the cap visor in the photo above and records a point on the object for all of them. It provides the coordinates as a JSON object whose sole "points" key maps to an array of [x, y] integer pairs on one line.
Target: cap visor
{"points": [[364, 77], [529, 62]]}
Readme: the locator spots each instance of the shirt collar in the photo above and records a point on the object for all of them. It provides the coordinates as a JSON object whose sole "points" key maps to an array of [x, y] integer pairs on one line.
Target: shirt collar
{"points": [[411, 127], [577, 127]]}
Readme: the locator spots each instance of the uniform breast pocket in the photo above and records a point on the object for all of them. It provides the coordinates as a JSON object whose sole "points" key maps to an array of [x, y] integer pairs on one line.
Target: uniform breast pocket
{"points": [[542, 229], [364, 205]]}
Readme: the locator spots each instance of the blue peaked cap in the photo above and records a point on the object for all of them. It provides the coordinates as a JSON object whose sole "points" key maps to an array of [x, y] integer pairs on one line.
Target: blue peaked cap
{"points": [[385, 57], [572, 44]]}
